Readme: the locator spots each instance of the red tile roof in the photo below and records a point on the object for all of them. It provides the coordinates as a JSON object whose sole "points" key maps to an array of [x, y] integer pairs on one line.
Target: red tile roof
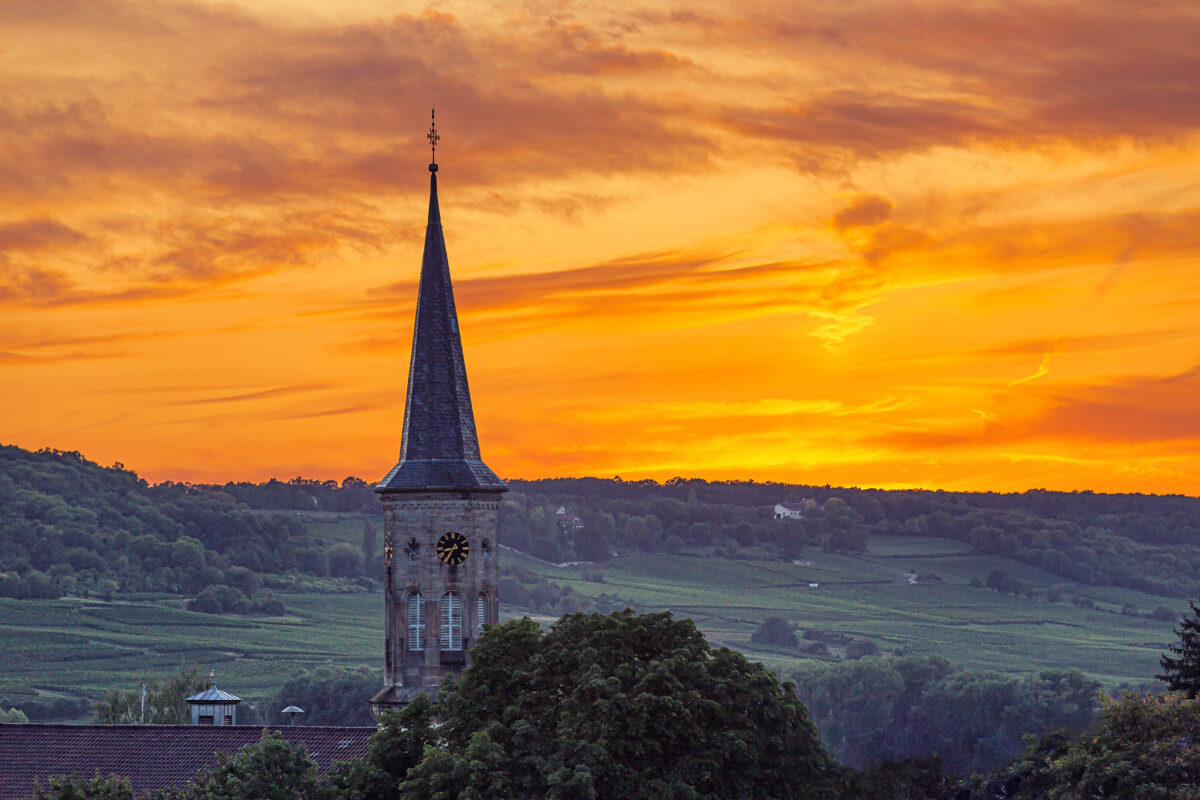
{"points": [[151, 756]]}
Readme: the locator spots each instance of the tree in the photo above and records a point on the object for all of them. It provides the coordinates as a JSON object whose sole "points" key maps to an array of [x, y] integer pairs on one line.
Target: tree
{"points": [[270, 769], [397, 746], [345, 561], [592, 545], [112, 787], [243, 580], [220, 600], [1144, 749], [370, 540], [13, 715], [621, 706], [154, 702], [1181, 664], [861, 648], [331, 695], [775, 631]]}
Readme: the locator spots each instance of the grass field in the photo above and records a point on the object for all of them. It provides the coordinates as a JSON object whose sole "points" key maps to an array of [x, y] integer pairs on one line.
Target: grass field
{"points": [[82, 647], [872, 596]]}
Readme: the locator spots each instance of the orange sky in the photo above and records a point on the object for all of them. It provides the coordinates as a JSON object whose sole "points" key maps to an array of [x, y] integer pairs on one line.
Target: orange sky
{"points": [[892, 244]]}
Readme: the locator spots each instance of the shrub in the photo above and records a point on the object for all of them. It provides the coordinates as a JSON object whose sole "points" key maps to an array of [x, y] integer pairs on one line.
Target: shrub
{"points": [[220, 600], [860, 648]]}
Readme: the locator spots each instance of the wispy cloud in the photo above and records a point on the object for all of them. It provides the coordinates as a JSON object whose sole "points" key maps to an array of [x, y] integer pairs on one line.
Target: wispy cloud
{"points": [[1043, 368], [261, 394]]}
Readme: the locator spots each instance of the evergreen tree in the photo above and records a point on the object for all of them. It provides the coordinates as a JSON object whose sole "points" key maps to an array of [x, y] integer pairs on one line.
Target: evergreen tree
{"points": [[1181, 665]]}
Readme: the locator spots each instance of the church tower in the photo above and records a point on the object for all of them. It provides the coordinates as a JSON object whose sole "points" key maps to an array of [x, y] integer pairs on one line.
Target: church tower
{"points": [[440, 502]]}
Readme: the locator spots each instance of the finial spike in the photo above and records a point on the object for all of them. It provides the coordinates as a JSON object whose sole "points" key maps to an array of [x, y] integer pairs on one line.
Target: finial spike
{"points": [[433, 138]]}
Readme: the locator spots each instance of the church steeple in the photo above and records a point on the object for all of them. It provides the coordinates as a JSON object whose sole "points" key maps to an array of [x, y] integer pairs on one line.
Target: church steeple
{"points": [[441, 504], [439, 448]]}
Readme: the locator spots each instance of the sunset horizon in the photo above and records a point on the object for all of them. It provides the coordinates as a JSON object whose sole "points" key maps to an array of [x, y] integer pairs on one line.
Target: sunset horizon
{"points": [[886, 246]]}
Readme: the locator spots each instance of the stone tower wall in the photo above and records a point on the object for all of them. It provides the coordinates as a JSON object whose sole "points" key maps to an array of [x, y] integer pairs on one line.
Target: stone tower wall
{"points": [[420, 520]]}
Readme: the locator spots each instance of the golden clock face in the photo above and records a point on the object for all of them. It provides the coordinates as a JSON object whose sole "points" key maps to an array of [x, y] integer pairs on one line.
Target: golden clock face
{"points": [[452, 548]]}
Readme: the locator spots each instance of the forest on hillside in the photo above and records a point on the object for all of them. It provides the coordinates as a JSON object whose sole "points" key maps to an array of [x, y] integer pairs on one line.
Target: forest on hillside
{"points": [[70, 526]]}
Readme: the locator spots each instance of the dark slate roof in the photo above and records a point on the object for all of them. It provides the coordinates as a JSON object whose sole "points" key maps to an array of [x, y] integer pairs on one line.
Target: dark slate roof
{"points": [[214, 695], [439, 449], [151, 756]]}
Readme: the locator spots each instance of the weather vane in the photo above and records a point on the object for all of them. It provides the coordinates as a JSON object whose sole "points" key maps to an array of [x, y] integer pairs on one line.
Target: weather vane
{"points": [[433, 138]]}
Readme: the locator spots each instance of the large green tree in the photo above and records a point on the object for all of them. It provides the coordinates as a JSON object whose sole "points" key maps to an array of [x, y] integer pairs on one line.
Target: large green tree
{"points": [[270, 769], [618, 706], [1181, 665]]}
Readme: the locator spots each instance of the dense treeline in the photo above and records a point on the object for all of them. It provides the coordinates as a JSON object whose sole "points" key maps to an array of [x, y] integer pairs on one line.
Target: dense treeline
{"points": [[69, 526], [875, 710], [352, 495], [329, 696]]}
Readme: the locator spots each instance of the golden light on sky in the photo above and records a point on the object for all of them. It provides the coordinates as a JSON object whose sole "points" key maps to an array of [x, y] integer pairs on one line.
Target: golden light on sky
{"points": [[942, 244]]}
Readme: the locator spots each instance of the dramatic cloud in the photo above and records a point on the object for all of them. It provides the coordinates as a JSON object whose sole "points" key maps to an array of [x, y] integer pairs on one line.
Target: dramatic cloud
{"points": [[875, 243]]}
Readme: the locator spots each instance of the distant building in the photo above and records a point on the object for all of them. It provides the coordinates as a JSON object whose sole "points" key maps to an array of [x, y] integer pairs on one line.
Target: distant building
{"points": [[151, 756], [567, 520], [790, 510]]}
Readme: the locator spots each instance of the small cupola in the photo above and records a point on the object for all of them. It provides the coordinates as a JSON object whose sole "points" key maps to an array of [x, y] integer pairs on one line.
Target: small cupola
{"points": [[214, 707]]}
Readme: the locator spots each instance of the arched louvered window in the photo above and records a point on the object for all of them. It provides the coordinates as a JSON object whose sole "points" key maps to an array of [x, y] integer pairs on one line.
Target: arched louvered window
{"points": [[416, 621], [451, 621], [480, 614]]}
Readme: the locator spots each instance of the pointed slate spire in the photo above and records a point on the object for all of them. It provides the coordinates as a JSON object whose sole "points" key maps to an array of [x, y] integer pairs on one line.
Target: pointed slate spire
{"points": [[439, 450]]}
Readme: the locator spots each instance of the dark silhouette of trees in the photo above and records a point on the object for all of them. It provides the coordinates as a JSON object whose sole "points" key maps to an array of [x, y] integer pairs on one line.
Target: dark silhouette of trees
{"points": [[1181, 664]]}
